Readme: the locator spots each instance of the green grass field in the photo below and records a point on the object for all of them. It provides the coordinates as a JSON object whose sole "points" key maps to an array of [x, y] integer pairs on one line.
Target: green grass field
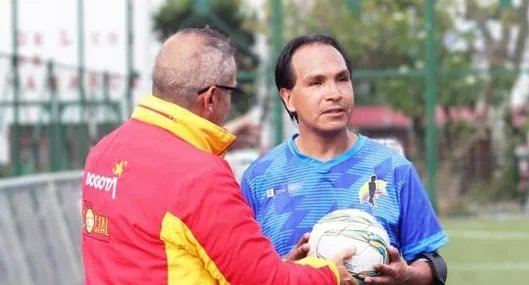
{"points": [[487, 251]]}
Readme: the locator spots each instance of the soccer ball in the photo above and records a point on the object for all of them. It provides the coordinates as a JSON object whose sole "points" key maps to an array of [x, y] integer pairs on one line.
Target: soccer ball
{"points": [[348, 228]]}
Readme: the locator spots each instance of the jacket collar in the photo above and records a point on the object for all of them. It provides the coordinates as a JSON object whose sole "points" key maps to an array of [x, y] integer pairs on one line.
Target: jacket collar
{"points": [[183, 123]]}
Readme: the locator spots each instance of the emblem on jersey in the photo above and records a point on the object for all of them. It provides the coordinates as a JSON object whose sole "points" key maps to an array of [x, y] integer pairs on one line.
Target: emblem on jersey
{"points": [[106, 183], [89, 220], [372, 190], [95, 223]]}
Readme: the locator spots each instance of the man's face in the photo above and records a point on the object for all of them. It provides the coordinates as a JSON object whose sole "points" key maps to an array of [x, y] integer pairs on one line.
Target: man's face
{"points": [[223, 105], [219, 102], [322, 95]]}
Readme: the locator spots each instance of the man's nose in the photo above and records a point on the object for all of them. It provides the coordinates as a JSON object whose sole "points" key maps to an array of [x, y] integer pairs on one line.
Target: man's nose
{"points": [[333, 92]]}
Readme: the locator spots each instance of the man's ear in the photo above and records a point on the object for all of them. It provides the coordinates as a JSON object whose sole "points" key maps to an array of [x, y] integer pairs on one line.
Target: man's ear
{"points": [[286, 96], [208, 100]]}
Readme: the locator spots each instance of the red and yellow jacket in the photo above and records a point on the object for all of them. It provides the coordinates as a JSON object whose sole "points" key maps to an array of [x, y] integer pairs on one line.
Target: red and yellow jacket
{"points": [[161, 206]]}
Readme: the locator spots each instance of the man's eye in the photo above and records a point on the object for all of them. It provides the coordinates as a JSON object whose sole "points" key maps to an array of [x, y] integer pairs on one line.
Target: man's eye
{"points": [[315, 83], [344, 79]]}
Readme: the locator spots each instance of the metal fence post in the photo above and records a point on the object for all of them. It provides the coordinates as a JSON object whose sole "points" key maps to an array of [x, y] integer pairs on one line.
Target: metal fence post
{"points": [[82, 138], [54, 139], [277, 45], [15, 147], [431, 98], [131, 76]]}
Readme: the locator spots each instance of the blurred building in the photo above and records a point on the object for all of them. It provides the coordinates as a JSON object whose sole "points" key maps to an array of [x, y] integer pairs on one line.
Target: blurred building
{"points": [[383, 123], [48, 32]]}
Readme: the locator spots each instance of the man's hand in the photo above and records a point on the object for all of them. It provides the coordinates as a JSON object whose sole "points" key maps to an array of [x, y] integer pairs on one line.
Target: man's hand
{"points": [[300, 250], [345, 276], [397, 272]]}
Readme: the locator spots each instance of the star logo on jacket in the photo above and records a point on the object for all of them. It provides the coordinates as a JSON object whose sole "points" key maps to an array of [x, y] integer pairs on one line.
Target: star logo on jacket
{"points": [[106, 183], [371, 191], [119, 168]]}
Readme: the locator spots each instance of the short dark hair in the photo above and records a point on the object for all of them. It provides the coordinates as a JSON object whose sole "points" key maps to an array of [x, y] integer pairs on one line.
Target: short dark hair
{"points": [[284, 75]]}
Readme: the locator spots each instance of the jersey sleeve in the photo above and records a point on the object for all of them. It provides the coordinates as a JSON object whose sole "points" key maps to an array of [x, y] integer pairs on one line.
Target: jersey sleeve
{"points": [[234, 249], [247, 193], [419, 228]]}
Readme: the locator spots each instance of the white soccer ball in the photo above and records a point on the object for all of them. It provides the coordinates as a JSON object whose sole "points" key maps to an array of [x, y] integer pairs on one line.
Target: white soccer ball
{"points": [[349, 228]]}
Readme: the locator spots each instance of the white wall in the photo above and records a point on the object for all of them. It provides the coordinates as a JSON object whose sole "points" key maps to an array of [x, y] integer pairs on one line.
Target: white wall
{"points": [[54, 22]]}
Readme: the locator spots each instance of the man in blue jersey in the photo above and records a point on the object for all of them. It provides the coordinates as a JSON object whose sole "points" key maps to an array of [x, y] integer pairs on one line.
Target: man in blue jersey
{"points": [[326, 167]]}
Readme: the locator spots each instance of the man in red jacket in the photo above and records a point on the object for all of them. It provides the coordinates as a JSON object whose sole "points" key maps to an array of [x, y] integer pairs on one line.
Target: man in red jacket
{"points": [[161, 206]]}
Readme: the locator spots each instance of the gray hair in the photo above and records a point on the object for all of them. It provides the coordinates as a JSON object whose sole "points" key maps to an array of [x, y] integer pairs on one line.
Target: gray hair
{"points": [[178, 77]]}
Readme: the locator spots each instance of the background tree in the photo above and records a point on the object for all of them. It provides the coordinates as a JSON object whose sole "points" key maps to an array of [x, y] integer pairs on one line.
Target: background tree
{"points": [[391, 35], [503, 31], [227, 17]]}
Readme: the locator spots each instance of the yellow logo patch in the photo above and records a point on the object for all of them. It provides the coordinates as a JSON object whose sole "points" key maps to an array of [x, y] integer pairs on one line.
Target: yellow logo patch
{"points": [[95, 223]]}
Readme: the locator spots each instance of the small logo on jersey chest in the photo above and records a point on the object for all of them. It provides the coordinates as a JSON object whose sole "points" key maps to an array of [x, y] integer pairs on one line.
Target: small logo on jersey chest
{"points": [[372, 190], [289, 188]]}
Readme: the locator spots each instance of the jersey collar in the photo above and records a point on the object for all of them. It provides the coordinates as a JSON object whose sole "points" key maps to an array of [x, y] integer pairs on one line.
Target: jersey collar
{"points": [[326, 165], [183, 123]]}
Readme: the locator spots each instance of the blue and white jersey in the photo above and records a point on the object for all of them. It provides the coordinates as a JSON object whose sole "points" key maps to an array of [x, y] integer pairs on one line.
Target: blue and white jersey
{"points": [[289, 192]]}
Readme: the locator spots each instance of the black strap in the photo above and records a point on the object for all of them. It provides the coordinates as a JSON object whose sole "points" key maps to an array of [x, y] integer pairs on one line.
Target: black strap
{"points": [[438, 265]]}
